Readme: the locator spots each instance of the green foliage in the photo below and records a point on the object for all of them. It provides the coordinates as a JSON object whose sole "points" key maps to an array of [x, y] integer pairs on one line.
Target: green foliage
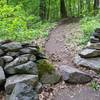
{"points": [[88, 24], [94, 85], [15, 24], [44, 67]]}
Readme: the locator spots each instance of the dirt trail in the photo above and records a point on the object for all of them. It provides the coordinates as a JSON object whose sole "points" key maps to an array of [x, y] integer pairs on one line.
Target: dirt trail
{"points": [[61, 47]]}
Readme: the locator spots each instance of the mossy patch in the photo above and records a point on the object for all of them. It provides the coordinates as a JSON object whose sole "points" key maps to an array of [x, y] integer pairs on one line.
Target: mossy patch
{"points": [[44, 66]]}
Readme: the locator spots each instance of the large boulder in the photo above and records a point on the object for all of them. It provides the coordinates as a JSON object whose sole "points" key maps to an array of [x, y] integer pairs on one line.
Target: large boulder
{"points": [[73, 75], [90, 63], [12, 46], [2, 76], [26, 68], [50, 78], [27, 79], [93, 45], [23, 91], [89, 53]]}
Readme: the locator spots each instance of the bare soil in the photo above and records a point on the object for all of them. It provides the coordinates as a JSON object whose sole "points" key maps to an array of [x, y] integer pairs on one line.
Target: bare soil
{"points": [[61, 47]]}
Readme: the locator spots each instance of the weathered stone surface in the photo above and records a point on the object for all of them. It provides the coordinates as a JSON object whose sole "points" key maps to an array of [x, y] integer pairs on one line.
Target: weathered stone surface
{"points": [[5, 41], [97, 30], [90, 63], [12, 46], [2, 62], [25, 51], [73, 75], [89, 53], [7, 59], [2, 76], [50, 78], [27, 79], [23, 91], [93, 45], [19, 60], [1, 52], [26, 68], [97, 35], [13, 54], [94, 40]]}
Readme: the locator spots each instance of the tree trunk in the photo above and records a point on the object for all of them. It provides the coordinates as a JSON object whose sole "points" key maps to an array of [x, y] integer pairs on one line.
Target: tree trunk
{"points": [[96, 6], [42, 12], [63, 9]]}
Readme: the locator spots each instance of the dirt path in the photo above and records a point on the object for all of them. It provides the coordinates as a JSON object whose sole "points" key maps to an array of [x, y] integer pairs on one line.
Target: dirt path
{"points": [[61, 47]]}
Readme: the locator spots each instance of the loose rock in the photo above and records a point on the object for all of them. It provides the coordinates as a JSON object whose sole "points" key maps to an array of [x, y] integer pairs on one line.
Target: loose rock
{"points": [[93, 45], [91, 63], [73, 75], [89, 53]]}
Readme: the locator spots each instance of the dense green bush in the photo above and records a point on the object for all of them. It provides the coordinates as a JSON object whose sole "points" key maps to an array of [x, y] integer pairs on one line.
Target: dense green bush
{"points": [[15, 24], [88, 24]]}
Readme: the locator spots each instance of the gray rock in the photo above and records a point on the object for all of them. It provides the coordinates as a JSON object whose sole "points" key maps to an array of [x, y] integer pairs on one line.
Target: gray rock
{"points": [[2, 76], [90, 63], [7, 59], [89, 53], [1, 52], [94, 40], [5, 41], [97, 35], [26, 68], [12, 46], [2, 62], [13, 54], [93, 45], [25, 51], [38, 87], [73, 75], [27, 79], [19, 60], [50, 78], [23, 91], [97, 30]]}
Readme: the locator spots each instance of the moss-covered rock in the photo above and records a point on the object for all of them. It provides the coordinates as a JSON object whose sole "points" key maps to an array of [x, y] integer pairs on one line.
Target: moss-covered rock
{"points": [[44, 66]]}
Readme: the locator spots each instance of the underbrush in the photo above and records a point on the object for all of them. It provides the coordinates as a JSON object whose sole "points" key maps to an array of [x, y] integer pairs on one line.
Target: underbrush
{"points": [[17, 25], [88, 24]]}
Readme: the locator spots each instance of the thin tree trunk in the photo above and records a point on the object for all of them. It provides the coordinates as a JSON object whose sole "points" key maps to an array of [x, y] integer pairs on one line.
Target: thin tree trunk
{"points": [[42, 12], [96, 6], [63, 9]]}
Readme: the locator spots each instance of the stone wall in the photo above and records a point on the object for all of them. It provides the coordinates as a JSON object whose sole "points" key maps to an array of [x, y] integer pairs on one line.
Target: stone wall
{"points": [[19, 71], [89, 57]]}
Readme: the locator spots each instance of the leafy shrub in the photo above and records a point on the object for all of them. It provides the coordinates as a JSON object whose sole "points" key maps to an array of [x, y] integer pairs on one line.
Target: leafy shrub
{"points": [[15, 24], [88, 24]]}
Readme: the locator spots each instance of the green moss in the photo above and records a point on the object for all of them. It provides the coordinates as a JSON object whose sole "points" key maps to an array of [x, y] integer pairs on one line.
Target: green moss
{"points": [[44, 66]]}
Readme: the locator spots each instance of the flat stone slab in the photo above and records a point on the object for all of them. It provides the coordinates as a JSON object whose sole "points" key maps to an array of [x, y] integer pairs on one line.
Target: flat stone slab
{"points": [[90, 63], [85, 93], [93, 45], [73, 75], [89, 53]]}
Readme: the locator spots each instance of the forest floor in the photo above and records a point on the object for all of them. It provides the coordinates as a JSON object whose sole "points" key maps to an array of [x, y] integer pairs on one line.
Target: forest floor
{"points": [[61, 47]]}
